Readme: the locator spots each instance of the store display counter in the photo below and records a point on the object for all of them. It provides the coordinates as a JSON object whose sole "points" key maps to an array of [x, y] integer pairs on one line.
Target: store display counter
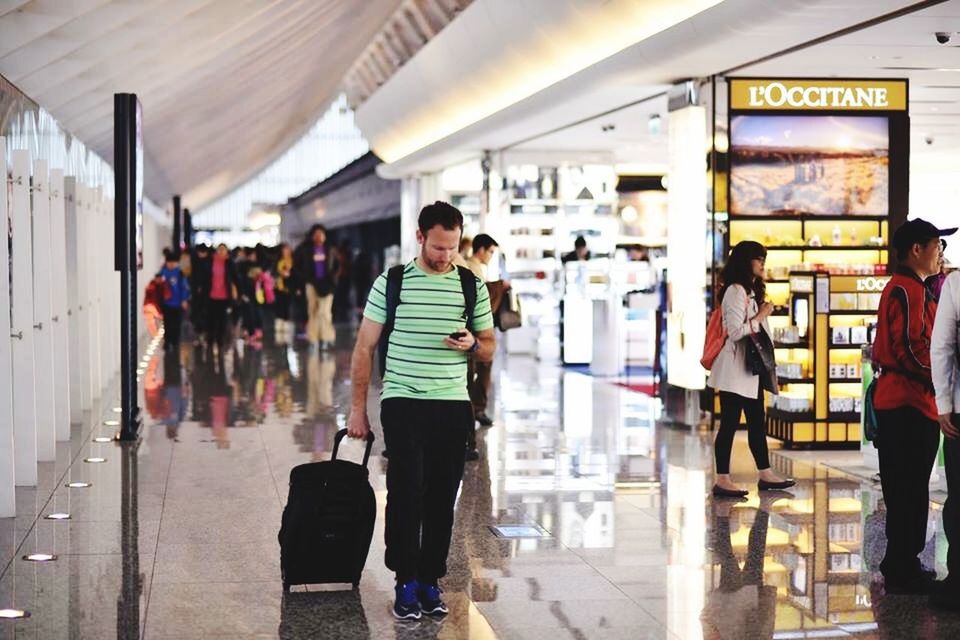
{"points": [[818, 341]]}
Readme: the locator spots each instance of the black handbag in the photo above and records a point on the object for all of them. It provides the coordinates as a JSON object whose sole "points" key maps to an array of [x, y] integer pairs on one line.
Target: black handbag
{"points": [[760, 359]]}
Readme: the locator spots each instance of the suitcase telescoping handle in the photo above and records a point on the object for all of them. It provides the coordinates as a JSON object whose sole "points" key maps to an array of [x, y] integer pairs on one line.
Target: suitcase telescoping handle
{"points": [[341, 435]]}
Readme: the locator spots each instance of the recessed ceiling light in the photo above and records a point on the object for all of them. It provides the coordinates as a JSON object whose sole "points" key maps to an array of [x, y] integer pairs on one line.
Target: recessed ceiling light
{"points": [[118, 409], [111, 423], [95, 460], [57, 516], [102, 439], [40, 557], [79, 485], [14, 614]]}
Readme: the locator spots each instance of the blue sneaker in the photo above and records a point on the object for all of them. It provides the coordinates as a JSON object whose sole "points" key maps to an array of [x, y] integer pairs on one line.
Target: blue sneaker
{"points": [[407, 606], [430, 602]]}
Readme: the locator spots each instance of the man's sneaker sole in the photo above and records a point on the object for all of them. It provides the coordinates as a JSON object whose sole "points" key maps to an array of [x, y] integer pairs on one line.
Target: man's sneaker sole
{"points": [[412, 615], [441, 610]]}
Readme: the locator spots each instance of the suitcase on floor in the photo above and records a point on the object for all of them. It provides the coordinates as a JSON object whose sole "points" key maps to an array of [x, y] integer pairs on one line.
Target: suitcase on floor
{"points": [[328, 522]]}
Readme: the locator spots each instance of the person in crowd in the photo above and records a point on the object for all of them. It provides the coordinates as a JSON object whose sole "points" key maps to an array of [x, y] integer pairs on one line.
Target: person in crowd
{"points": [[945, 368], [343, 278], [579, 253], [907, 418], [157, 291], [479, 373], [463, 252], [425, 407], [315, 271], [284, 287], [255, 299], [222, 290], [745, 312], [177, 302], [200, 292]]}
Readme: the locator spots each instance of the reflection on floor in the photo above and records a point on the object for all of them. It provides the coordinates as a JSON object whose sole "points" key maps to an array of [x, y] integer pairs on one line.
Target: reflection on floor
{"points": [[176, 538]]}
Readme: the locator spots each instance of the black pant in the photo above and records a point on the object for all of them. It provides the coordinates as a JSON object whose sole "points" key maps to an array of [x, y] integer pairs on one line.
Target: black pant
{"points": [[478, 381], [217, 320], [731, 406], [907, 447], [172, 318], [951, 509], [199, 302], [426, 440], [732, 577]]}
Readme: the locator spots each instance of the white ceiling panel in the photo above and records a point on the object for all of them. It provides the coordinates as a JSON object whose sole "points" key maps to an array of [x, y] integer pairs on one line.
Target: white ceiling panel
{"points": [[226, 85]]}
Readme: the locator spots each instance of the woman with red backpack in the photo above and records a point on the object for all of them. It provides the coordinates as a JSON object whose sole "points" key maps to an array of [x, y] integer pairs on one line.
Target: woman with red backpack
{"points": [[738, 373]]}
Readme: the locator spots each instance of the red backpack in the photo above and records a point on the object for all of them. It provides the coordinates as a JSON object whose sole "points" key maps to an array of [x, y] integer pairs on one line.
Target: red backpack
{"points": [[715, 338]]}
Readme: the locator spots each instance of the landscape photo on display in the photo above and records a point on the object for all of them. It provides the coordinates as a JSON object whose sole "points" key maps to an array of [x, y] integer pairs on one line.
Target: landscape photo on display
{"points": [[816, 165]]}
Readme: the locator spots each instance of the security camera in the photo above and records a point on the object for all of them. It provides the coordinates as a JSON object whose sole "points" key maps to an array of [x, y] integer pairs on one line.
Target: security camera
{"points": [[942, 37], [928, 139]]}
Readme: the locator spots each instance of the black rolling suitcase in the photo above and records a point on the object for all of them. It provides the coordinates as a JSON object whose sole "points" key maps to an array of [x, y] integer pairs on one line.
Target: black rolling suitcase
{"points": [[328, 521]]}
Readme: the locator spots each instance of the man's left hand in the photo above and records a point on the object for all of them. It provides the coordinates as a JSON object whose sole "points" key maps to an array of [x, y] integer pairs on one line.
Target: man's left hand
{"points": [[463, 344]]}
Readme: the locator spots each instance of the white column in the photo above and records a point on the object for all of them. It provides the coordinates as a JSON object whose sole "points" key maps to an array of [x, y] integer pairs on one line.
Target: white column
{"points": [[21, 300], [8, 503], [409, 211], [60, 327], [42, 317], [687, 253], [72, 297]]}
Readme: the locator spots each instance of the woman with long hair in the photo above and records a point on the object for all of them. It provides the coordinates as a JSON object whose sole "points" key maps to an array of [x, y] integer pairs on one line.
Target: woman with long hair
{"points": [[745, 312]]}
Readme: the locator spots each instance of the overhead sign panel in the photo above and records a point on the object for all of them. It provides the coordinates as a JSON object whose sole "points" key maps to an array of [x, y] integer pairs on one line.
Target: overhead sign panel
{"points": [[749, 94]]}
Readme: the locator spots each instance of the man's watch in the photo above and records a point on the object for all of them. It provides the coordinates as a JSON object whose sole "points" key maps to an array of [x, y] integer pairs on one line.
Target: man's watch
{"points": [[475, 346]]}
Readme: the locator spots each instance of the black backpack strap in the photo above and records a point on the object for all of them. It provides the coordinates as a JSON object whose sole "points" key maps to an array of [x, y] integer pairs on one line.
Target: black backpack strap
{"points": [[394, 285], [468, 284]]}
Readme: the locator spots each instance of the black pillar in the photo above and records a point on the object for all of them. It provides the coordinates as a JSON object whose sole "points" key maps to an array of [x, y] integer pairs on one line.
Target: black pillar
{"points": [[128, 217], [187, 229], [177, 237]]}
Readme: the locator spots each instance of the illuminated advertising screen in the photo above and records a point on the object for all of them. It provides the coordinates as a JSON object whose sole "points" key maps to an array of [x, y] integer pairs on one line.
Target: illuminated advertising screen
{"points": [[831, 165]]}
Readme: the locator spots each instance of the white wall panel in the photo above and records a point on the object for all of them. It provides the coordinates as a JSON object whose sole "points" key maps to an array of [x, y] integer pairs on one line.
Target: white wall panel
{"points": [[7, 492], [90, 212], [83, 296], [72, 297], [42, 304], [21, 302], [59, 306]]}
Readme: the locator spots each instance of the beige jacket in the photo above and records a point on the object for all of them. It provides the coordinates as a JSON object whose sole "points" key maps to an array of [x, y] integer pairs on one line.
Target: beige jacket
{"points": [[729, 372]]}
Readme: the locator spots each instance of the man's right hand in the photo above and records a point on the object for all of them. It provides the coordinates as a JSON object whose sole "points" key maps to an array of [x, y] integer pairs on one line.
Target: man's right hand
{"points": [[358, 426], [946, 425]]}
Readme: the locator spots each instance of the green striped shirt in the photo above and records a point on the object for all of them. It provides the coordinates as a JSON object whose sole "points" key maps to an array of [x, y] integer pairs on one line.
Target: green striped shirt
{"points": [[419, 364]]}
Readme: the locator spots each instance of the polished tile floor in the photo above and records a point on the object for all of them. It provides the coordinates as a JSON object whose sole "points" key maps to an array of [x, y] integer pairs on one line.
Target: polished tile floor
{"points": [[177, 538]]}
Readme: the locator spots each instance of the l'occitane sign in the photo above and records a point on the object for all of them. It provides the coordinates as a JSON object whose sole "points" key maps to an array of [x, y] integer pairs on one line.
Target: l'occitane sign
{"points": [[819, 95]]}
